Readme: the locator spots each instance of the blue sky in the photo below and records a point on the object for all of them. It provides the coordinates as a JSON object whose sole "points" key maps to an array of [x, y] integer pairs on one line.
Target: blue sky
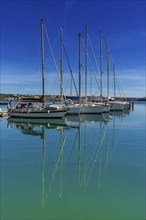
{"points": [[122, 21]]}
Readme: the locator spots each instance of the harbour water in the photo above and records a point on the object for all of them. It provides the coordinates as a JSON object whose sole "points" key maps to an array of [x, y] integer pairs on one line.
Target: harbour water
{"points": [[91, 168]]}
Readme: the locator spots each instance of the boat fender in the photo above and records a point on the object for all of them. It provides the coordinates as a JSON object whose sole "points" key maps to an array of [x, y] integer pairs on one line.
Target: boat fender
{"points": [[48, 111]]}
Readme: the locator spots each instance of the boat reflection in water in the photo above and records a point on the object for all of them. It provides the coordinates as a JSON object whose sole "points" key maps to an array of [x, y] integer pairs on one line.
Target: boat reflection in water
{"points": [[37, 121], [77, 120], [120, 113], [75, 151]]}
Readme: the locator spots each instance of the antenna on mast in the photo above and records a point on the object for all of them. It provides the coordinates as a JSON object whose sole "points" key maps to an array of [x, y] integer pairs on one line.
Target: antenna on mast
{"points": [[61, 71], [79, 38], [42, 58], [100, 65]]}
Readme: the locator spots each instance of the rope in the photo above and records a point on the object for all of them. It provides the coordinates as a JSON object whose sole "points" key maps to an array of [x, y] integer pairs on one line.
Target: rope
{"points": [[93, 53], [121, 92], [54, 59], [92, 67], [70, 69]]}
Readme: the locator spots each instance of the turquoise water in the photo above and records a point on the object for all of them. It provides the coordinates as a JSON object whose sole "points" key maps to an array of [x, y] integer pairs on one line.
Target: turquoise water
{"points": [[92, 169]]}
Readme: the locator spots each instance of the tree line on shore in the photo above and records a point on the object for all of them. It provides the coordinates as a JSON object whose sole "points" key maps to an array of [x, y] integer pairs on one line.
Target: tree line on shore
{"points": [[57, 97]]}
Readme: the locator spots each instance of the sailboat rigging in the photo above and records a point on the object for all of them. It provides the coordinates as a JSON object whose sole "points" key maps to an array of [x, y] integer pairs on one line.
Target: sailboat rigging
{"points": [[28, 110], [87, 107]]}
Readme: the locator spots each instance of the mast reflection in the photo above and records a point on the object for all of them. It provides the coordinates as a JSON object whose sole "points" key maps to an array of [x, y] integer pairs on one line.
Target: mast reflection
{"points": [[82, 148]]}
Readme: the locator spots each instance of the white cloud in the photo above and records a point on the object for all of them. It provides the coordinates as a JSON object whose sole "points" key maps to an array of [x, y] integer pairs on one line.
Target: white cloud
{"points": [[13, 78], [133, 75], [132, 82]]}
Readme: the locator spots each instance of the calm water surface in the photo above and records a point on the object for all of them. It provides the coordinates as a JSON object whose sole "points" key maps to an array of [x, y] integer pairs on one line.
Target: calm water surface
{"points": [[94, 168]]}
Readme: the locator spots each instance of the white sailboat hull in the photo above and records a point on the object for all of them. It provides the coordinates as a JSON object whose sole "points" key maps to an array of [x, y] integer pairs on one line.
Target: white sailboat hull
{"points": [[91, 109], [106, 108], [36, 113], [127, 105], [74, 109], [116, 106]]}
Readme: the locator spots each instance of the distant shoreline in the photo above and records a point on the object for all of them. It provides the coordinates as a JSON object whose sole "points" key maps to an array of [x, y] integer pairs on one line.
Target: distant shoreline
{"points": [[4, 97]]}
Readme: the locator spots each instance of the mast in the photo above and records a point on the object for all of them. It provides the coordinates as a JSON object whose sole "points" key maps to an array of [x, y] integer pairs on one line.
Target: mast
{"points": [[86, 60], [70, 85], [114, 80], [61, 72], [100, 65], [42, 58], [90, 83], [79, 39], [108, 67]]}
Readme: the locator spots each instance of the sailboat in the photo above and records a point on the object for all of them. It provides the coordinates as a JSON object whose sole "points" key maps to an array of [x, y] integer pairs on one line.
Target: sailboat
{"points": [[28, 109], [107, 105], [87, 107], [114, 105], [72, 108], [126, 105]]}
